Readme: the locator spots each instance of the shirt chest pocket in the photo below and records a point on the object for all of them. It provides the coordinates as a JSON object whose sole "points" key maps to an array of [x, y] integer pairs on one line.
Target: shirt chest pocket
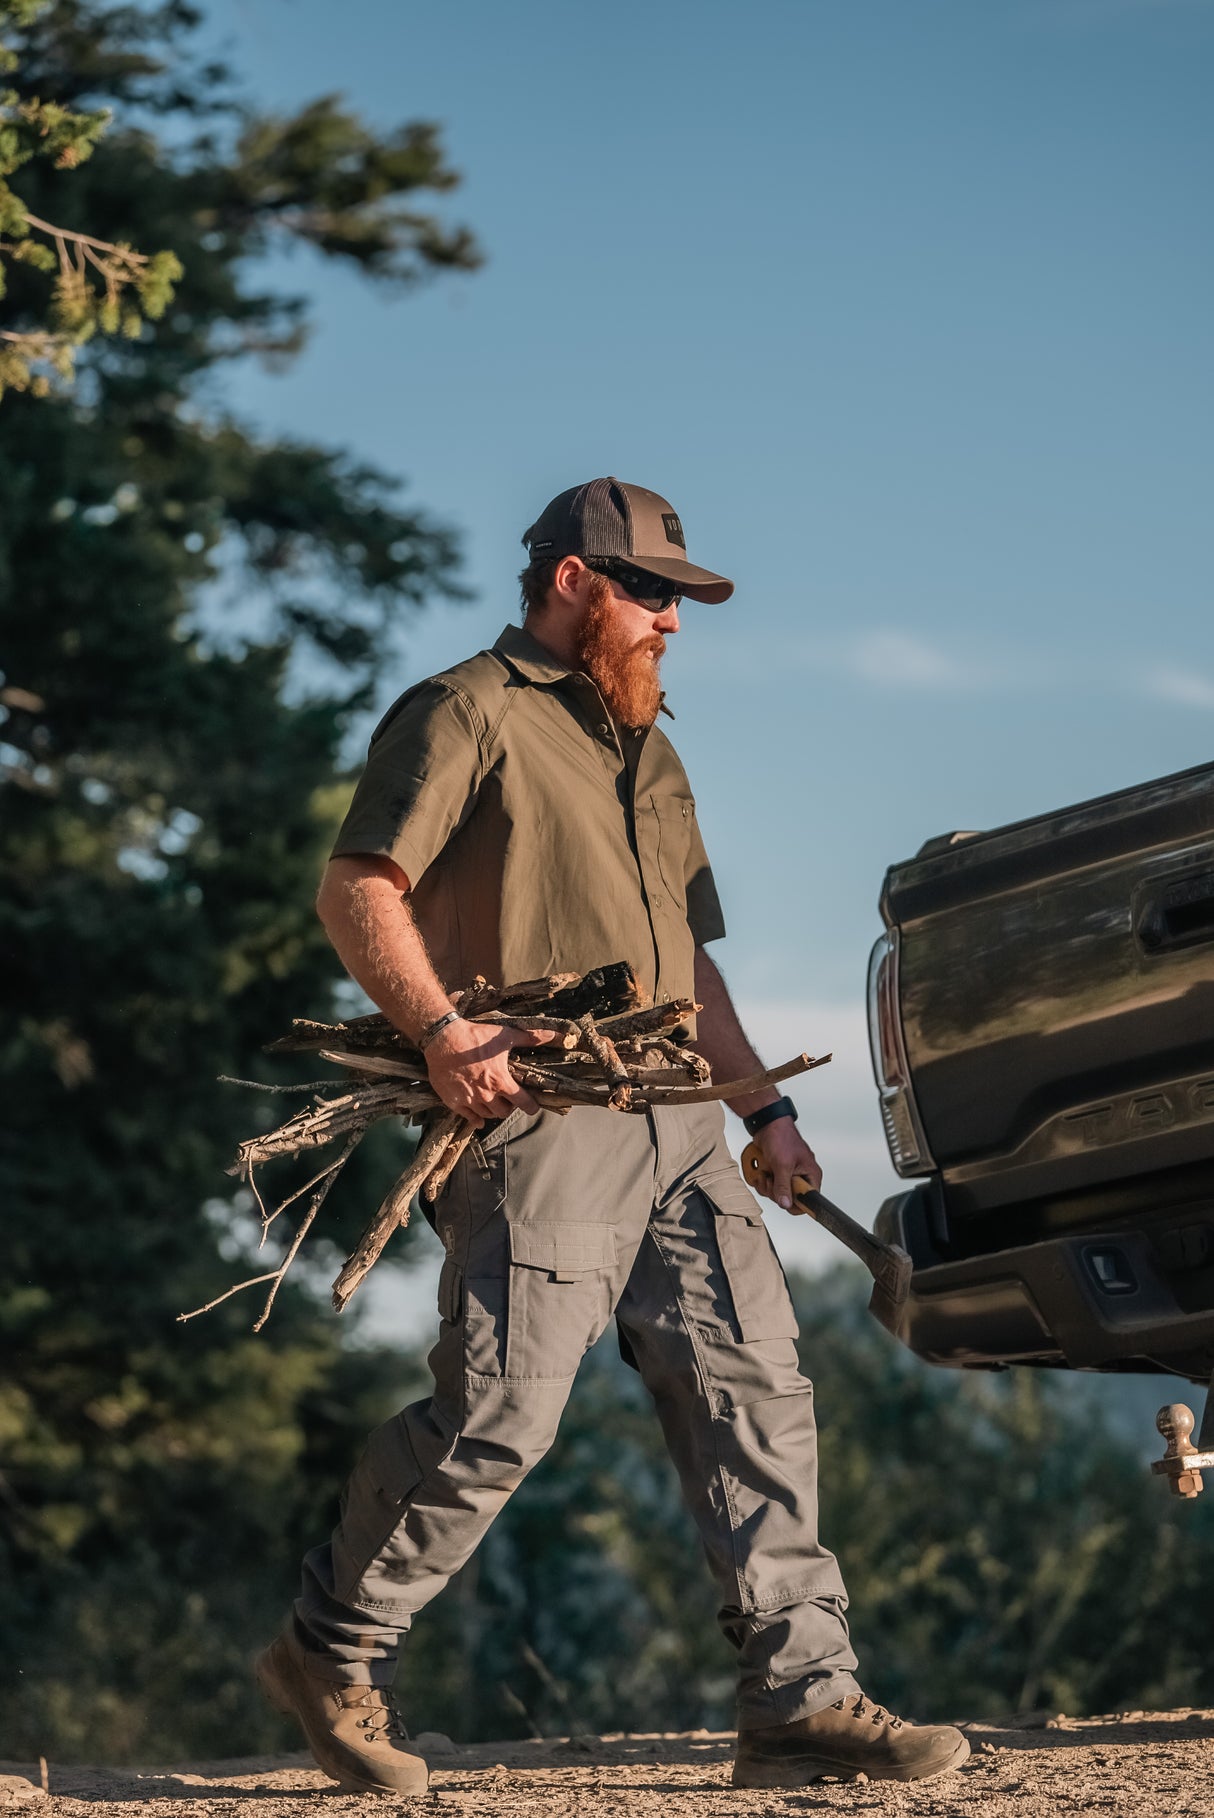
{"points": [[674, 818]]}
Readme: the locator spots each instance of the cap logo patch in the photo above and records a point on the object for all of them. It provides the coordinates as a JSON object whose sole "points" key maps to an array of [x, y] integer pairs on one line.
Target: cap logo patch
{"points": [[674, 530]]}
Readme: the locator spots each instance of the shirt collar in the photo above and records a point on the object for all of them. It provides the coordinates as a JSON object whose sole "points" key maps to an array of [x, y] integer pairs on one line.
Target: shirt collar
{"points": [[528, 657]]}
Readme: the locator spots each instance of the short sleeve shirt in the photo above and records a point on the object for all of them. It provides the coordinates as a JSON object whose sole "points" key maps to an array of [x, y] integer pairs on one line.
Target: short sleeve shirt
{"points": [[537, 836]]}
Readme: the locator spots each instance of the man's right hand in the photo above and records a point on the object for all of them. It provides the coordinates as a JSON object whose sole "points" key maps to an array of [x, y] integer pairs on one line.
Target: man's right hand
{"points": [[468, 1064]]}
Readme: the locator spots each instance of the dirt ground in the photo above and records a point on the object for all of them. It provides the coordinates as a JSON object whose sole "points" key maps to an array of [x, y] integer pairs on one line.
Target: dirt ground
{"points": [[1133, 1765]]}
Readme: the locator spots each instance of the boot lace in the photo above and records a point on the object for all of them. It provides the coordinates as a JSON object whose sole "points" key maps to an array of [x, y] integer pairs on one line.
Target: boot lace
{"points": [[876, 1713], [383, 1721]]}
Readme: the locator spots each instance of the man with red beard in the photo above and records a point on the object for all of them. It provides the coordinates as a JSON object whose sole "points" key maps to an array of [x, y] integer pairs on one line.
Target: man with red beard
{"points": [[522, 814]]}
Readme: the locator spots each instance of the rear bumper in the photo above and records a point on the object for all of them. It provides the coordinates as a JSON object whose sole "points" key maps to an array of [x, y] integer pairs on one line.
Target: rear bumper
{"points": [[1098, 1301]]}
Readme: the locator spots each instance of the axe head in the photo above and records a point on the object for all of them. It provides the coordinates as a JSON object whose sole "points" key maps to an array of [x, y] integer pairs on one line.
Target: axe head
{"points": [[891, 1285]]}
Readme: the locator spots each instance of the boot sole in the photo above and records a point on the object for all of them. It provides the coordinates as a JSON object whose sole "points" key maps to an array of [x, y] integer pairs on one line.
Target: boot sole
{"points": [[800, 1770], [278, 1696]]}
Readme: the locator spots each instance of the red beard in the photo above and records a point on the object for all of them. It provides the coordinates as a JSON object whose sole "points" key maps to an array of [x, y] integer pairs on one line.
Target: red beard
{"points": [[625, 673]]}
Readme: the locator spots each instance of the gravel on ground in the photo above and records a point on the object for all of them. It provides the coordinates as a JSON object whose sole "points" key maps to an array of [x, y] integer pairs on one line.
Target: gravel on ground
{"points": [[1134, 1764]]}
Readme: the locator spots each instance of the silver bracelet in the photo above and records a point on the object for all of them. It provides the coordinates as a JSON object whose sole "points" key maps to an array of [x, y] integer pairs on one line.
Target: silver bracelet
{"points": [[432, 1029]]}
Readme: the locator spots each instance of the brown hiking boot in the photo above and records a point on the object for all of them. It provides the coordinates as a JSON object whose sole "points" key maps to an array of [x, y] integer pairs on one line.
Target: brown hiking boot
{"points": [[854, 1736], [354, 1731]]}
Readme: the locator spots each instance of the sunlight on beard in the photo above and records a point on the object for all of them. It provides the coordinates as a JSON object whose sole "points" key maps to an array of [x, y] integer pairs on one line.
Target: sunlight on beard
{"points": [[625, 673]]}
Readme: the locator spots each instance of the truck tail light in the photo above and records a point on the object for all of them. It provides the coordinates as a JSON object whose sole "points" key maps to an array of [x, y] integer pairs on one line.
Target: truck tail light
{"points": [[903, 1128]]}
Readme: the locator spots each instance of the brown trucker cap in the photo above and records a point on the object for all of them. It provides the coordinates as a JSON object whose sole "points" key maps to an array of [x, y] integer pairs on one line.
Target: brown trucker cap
{"points": [[604, 518]]}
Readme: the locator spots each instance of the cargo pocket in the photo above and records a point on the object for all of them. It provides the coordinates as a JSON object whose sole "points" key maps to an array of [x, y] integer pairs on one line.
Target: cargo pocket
{"points": [[560, 1295], [758, 1288]]}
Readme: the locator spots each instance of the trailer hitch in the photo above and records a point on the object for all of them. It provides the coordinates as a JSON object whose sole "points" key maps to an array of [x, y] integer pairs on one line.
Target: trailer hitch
{"points": [[1183, 1462]]}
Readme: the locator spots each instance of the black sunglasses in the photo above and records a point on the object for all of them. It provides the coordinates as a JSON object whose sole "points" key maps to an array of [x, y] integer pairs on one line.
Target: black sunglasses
{"points": [[646, 589]]}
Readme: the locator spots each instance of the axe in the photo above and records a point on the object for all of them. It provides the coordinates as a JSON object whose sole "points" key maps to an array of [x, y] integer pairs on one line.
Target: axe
{"points": [[888, 1264]]}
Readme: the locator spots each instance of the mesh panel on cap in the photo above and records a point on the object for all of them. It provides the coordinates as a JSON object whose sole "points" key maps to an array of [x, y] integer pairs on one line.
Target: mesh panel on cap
{"points": [[606, 519], [592, 519]]}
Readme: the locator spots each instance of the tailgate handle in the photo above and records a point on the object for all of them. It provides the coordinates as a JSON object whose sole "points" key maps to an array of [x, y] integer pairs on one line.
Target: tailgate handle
{"points": [[1179, 916]]}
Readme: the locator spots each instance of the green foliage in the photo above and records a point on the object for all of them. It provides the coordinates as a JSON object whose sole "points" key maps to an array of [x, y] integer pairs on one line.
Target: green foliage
{"points": [[190, 618], [90, 274], [1002, 1547], [339, 186]]}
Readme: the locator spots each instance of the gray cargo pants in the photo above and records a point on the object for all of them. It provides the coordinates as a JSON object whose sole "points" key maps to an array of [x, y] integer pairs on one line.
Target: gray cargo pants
{"points": [[551, 1224]]}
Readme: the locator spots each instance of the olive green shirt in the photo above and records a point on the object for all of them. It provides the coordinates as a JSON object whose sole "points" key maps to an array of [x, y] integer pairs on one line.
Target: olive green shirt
{"points": [[537, 836]]}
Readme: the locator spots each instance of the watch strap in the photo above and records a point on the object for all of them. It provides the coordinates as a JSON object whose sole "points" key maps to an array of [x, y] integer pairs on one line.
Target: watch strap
{"points": [[767, 1114]]}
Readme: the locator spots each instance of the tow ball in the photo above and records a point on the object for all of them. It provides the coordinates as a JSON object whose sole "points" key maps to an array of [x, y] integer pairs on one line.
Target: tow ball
{"points": [[1183, 1462]]}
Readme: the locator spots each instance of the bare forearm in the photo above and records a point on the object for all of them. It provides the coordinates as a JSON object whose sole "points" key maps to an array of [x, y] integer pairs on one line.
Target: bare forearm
{"points": [[721, 1039], [376, 938], [364, 905]]}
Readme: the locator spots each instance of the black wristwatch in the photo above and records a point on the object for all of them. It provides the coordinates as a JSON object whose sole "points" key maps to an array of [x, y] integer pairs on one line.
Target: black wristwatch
{"points": [[767, 1114]]}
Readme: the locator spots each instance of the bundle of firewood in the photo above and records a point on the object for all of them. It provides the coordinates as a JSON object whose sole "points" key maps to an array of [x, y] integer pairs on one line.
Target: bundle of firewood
{"points": [[600, 1046]]}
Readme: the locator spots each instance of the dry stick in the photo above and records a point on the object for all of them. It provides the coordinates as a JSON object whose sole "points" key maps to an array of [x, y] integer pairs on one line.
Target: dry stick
{"points": [[541, 1080], [260, 1203], [311, 1130], [318, 1200], [663, 1061], [686, 1057], [480, 996], [260, 1085], [276, 1275], [560, 1025], [647, 1077], [267, 1219], [395, 1209], [439, 1175], [306, 1130], [380, 1064], [362, 1032], [253, 1282], [585, 1091], [335, 1117], [572, 1086], [736, 1088], [642, 1022], [603, 1050], [471, 994]]}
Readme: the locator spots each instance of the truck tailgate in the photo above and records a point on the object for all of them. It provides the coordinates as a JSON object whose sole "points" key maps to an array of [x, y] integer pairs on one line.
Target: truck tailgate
{"points": [[1056, 983]]}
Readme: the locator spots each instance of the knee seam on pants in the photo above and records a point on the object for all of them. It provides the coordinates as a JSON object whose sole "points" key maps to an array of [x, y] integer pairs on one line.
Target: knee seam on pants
{"points": [[472, 1384], [706, 1390], [481, 1378], [400, 1511]]}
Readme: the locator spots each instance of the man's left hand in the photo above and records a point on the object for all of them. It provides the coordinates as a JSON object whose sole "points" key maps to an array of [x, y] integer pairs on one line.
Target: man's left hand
{"points": [[785, 1153]]}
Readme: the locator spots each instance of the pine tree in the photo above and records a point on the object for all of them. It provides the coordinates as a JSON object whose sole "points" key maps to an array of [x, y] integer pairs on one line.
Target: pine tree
{"points": [[190, 618], [97, 284]]}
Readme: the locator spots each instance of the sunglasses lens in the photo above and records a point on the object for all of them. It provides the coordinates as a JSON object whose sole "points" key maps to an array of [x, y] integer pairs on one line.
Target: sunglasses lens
{"points": [[647, 589]]}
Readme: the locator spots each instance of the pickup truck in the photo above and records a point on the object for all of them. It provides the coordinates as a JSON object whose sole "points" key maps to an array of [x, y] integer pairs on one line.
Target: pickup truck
{"points": [[1041, 1011]]}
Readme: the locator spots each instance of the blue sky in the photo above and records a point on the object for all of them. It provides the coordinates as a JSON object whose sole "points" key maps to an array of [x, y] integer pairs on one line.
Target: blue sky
{"points": [[906, 305]]}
